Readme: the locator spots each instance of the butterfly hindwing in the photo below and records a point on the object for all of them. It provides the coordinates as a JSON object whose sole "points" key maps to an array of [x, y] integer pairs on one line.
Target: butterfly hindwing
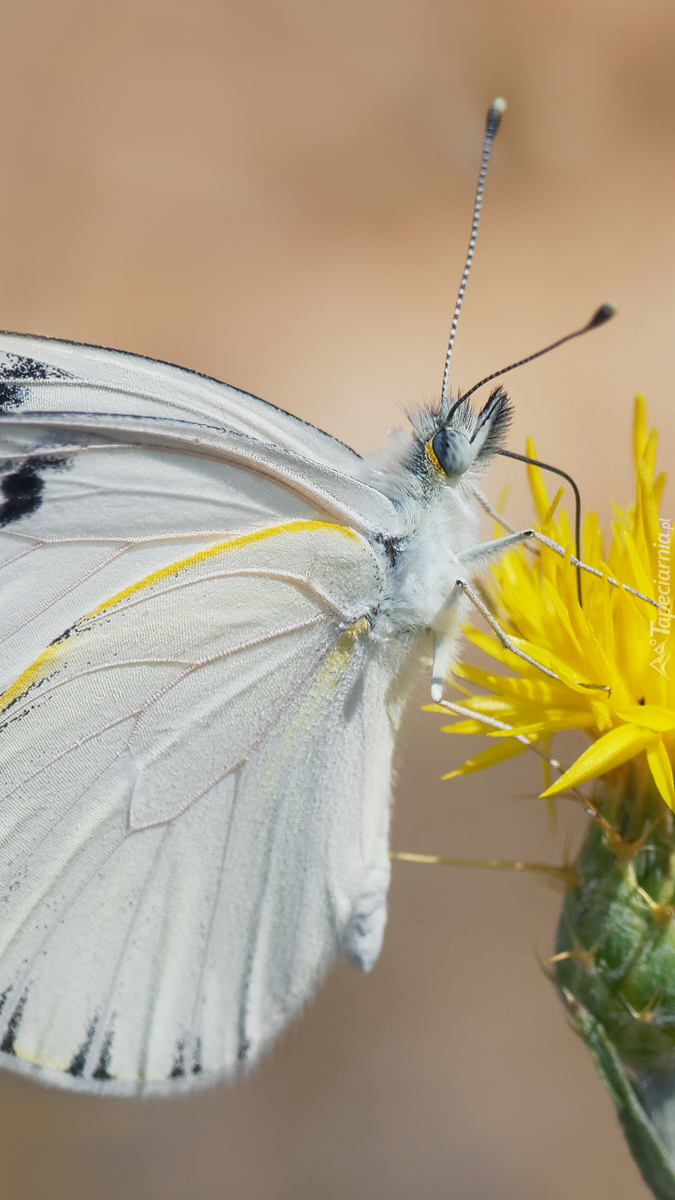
{"points": [[214, 744]]}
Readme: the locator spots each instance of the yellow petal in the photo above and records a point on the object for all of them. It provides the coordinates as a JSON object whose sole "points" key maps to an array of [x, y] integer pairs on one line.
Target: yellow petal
{"points": [[496, 753], [552, 721], [649, 716], [662, 772], [466, 727], [569, 676], [639, 428], [548, 517], [536, 482], [649, 455], [610, 751], [601, 712]]}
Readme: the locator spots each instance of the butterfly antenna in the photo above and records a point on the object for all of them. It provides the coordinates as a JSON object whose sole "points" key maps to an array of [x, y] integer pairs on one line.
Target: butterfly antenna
{"points": [[494, 117], [602, 314], [535, 462]]}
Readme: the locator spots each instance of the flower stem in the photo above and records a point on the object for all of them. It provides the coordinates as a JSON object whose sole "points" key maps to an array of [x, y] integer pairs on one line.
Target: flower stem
{"points": [[645, 1144], [566, 874]]}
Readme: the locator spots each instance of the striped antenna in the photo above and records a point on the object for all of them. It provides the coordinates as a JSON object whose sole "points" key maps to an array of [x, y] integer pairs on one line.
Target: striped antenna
{"points": [[494, 117]]}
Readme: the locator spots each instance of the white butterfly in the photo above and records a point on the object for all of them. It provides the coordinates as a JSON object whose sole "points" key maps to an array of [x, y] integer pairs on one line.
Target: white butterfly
{"points": [[211, 616]]}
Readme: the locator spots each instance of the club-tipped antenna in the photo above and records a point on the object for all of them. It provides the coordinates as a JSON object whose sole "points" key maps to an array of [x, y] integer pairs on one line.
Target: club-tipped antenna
{"points": [[600, 316], [536, 462], [493, 119]]}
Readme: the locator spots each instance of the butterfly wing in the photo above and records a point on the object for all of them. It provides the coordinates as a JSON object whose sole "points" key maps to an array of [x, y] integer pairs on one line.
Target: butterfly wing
{"points": [[40, 374], [194, 811], [192, 827], [94, 498]]}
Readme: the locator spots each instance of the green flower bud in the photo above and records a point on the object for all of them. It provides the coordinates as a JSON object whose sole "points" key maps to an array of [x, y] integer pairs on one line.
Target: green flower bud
{"points": [[616, 937], [615, 965]]}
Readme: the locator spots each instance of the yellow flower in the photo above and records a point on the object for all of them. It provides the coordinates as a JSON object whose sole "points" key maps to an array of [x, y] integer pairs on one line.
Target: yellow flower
{"points": [[613, 641]]}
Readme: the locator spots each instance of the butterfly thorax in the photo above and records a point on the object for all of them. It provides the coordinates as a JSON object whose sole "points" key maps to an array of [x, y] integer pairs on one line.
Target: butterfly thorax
{"points": [[425, 566], [429, 474]]}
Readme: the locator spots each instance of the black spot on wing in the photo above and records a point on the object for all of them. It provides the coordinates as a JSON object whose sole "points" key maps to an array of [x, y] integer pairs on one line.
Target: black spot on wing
{"points": [[7, 1043], [101, 1073], [22, 494], [197, 1064], [77, 1066], [22, 488]]}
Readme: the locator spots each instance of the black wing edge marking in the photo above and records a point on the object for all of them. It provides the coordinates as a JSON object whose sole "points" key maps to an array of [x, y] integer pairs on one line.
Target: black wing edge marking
{"points": [[162, 362], [7, 1044], [78, 1065], [14, 369], [101, 1074], [76, 1068], [178, 1069]]}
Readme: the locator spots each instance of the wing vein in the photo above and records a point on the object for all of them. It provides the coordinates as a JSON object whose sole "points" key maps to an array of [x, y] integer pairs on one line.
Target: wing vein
{"points": [[30, 961], [241, 572], [69, 749], [105, 1014], [239, 768], [16, 866], [65, 591], [191, 1039], [277, 712], [190, 666]]}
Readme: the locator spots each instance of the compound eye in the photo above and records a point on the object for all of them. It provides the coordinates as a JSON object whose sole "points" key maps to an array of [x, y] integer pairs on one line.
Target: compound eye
{"points": [[453, 451]]}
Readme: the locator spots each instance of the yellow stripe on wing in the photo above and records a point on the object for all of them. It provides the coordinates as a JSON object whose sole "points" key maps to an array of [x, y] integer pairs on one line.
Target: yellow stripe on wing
{"points": [[37, 670], [246, 539], [33, 674]]}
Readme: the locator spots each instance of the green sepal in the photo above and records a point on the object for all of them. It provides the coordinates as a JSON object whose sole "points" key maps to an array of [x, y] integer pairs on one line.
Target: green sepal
{"points": [[645, 1145]]}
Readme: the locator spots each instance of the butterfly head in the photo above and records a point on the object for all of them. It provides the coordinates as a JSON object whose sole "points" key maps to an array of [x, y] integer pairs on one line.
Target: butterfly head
{"points": [[457, 440]]}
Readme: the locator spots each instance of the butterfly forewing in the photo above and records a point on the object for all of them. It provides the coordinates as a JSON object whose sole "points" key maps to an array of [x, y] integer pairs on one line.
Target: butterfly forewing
{"points": [[93, 500], [105, 515], [46, 375]]}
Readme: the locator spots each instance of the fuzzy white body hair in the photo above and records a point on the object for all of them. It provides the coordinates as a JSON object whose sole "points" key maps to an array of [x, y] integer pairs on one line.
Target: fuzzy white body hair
{"points": [[441, 519]]}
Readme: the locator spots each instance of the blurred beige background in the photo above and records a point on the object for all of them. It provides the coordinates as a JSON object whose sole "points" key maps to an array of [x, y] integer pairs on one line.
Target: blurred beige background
{"points": [[278, 193]]}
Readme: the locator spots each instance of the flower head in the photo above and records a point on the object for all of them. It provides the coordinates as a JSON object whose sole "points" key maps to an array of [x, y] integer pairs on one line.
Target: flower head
{"points": [[611, 651]]}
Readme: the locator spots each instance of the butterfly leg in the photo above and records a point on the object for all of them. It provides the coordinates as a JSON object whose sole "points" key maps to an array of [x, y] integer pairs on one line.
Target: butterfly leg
{"points": [[445, 626], [460, 710], [492, 512], [445, 622], [482, 553]]}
